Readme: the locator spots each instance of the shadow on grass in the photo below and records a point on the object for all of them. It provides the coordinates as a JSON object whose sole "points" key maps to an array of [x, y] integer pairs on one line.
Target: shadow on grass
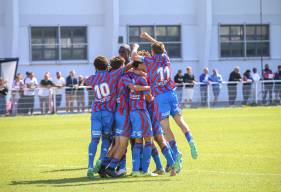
{"points": [[81, 181], [63, 170]]}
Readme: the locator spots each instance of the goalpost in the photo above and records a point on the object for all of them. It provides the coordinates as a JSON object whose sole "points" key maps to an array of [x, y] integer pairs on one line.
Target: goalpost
{"points": [[8, 70]]}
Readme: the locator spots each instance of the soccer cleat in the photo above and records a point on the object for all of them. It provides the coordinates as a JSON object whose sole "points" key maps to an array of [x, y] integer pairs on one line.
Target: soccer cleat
{"points": [[159, 171], [122, 172], [111, 172], [90, 174], [194, 152], [136, 174], [173, 172], [97, 166], [102, 172], [149, 174], [178, 165]]}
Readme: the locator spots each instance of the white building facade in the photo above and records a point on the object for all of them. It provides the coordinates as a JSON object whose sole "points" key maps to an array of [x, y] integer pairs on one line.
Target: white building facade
{"points": [[60, 35]]}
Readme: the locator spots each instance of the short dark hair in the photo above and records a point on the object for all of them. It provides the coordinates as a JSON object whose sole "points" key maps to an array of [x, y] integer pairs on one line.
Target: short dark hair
{"points": [[101, 63], [116, 62], [136, 64], [157, 48]]}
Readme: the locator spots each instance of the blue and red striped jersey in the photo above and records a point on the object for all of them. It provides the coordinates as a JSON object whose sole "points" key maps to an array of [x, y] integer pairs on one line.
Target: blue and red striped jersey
{"points": [[104, 85], [123, 92], [159, 73], [137, 98]]}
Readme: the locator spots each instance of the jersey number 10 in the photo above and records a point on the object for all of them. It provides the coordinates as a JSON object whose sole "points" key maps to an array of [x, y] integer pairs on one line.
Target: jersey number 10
{"points": [[102, 90], [164, 72]]}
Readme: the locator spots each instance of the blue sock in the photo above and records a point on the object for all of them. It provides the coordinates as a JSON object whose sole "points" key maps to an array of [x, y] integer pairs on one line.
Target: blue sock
{"points": [[146, 156], [174, 149], [188, 136], [113, 164], [141, 157], [92, 149], [122, 162], [156, 158], [168, 156], [136, 156], [105, 162], [104, 146]]}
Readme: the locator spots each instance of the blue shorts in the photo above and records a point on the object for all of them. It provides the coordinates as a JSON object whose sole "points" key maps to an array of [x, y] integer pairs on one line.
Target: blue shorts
{"points": [[122, 124], [101, 123], [141, 124], [167, 104]]}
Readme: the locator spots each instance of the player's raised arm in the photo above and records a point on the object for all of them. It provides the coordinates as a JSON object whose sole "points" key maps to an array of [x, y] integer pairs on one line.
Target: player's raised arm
{"points": [[139, 87], [146, 36]]}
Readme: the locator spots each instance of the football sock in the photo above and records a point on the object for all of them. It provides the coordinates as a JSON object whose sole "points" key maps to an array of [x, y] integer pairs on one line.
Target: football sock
{"points": [[188, 136], [122, 162], [136, 156], [141, 156], [168, 156], [104, 146], [92, 149], [105, 162], [156, 158], [146, 156], [174, 149], [113, 164]]}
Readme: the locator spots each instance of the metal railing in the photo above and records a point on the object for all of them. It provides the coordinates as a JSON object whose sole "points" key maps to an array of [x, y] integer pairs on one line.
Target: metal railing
{"points": [[51, 100]]}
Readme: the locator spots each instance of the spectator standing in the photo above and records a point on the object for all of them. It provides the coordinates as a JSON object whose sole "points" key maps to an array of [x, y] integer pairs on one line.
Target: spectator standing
{"points": [[267, 75], [31, 84], [256, 78], [60, 84], [17, 93], [247, 86], [189, 79], [179, 80], [70, 91], [234, 78], [216, 80], [204, 80], [277, 86], [45, 93], [3, 94], [80, 94]]}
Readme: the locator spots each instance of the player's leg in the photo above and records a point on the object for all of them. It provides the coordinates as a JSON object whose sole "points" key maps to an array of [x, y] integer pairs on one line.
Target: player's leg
{"points": [[107, 122], [156, 157], [176, 167], [147, 135], [137, 146], [176, 113], [96, 127]]}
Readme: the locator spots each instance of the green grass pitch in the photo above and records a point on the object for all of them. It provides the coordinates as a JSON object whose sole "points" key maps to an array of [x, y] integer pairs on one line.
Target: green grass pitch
{"points": [[240, 150]]}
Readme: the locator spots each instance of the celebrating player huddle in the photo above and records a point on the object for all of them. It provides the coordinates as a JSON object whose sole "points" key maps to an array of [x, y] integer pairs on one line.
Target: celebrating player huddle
{"points": [[132, 104]]}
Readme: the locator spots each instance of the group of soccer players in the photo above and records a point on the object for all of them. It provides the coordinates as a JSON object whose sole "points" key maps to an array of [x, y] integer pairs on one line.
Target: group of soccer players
{"points": [[134, 96]]}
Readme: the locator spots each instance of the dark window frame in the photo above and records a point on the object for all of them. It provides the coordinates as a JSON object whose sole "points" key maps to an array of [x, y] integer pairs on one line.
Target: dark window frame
{"points": [[245, 41], [58, 45]]}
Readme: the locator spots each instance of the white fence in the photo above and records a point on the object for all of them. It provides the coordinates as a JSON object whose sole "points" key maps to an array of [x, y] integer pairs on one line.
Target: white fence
{"points": [[71, 100]]}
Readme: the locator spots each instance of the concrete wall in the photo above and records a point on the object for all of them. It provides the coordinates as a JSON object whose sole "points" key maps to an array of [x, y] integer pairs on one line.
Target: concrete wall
{"points": [[106, 20]]}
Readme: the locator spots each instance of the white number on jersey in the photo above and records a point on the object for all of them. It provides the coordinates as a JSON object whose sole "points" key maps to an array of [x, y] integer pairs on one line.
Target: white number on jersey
{"points": [[102, 90], [164, 72]]}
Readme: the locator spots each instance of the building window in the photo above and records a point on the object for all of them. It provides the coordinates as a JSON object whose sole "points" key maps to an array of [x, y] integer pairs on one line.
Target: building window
{"points": [[170, 35], [59, 43], [244, 41]]}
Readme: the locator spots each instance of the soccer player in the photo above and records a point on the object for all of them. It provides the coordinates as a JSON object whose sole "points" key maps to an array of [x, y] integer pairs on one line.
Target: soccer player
{"points": [[104, 84], [163, 89], [141, 123]]}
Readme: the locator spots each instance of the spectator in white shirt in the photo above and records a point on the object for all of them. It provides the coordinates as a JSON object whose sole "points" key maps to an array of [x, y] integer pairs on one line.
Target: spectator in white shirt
{"points": [[30, 84], [60, 83], [17, 89], [256, 78]]}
